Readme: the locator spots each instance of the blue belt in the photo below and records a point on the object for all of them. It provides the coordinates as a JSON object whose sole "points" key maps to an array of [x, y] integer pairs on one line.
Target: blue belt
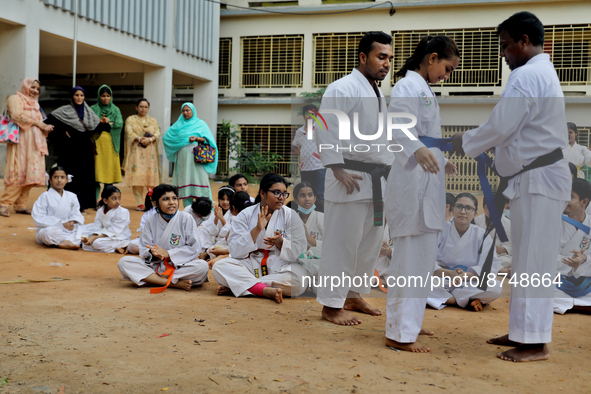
{"points": [[578, 225], [463, 267], [575, 287]]}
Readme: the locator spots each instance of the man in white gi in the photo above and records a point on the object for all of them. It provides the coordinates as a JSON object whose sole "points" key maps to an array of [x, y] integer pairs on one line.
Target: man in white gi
{"points": [[527, 130], [353, 193], [574, 262]]}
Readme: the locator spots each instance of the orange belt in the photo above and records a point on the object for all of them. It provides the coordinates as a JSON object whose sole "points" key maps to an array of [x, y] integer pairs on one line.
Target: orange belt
{"points": [[169, 271], [264, 270], [380, 283]]}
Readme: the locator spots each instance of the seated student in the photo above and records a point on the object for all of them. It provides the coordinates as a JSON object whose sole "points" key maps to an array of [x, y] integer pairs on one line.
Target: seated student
{"points": [[265, 242], [149, 210], [240, 184], [110, 230], [504, 249], [240, 201], [458, 255], [449, 203], [574, 261], [200, 210], [217, 226], [169, 247], [56, 213], [573, 170]]}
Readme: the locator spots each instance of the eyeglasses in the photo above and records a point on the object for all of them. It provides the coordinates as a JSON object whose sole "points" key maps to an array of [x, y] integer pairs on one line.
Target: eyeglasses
{"points": [[467, 208], [278, 194]]}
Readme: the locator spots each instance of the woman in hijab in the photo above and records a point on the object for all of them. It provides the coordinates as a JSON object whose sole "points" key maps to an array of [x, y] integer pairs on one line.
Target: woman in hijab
{"points": [[75, 125], [106, 161], [179, 142], [25, 162]]}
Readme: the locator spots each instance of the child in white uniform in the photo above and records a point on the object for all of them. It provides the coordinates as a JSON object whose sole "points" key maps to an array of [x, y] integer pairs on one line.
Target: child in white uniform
{"points": [[110, 230], [149, 210], [56, 214]]}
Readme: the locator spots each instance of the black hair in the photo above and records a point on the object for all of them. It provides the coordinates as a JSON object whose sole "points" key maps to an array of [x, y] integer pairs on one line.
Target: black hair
{"points": [[235, 178], [107, 192], [162, 189], [574, 171], [443, 46], [572, 126], [309, 107], [582, 188], [296, 191], [449, 200], [202, 206], [471, 197], [105, 89], [148, 201], [523, 23], [240, 200], [52, 171], [366, 43], [137, 103], [267, 182]]}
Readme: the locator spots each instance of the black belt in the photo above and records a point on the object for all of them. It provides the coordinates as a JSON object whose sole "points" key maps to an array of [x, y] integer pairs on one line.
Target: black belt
{"points": [[377, 171]]}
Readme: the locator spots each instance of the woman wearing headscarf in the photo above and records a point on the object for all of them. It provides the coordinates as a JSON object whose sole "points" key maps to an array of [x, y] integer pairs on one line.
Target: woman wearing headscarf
{"points": [[75, 126], [106, 161], [179, 142], [141, 162], [25, 162]]}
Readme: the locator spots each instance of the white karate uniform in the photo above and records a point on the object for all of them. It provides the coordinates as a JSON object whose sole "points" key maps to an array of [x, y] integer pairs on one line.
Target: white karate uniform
{"points": [[198, 220], [114, 224], [312, 257], [212, 232], [415, 208], [51, 211], [383, 265], [528, 122], [179, 237], [453, 250], [572, 238], [349, 232], [578, 155], [243, 270], [133, 246], [504, 258]]}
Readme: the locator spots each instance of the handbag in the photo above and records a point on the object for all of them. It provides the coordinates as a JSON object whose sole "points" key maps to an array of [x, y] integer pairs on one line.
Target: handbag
{"points": [[8, 130], [204, 153]]}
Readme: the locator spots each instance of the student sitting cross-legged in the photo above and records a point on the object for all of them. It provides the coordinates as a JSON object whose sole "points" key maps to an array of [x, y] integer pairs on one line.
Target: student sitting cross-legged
{"points": [[574, 262], [461, 253], [265, 242], [169, 247]]}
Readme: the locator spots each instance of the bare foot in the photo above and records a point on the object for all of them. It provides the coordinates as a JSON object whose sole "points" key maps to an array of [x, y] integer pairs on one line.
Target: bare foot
{"points": [[203, 256], [505, 271], [426, 332], [184, 284], [68, 245], [360, 305], [339, 316], [526, 352], [223, 290], [121, 250], [476, 305], [503, 341], [414, 347], [273, 293]]}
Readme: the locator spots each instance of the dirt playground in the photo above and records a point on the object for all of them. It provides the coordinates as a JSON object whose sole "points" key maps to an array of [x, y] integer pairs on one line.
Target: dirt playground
{"points": [[93, 332]]}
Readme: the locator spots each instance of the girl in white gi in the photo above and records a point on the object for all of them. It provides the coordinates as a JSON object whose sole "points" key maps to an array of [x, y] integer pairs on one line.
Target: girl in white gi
{"points": [[504, 249], [574, 153], [169, 247], [149, 210], [200, 209], [56, 214], [265, 242], [217, 226], [461, 254], [574, 259], [415, 196], [110, 230]]}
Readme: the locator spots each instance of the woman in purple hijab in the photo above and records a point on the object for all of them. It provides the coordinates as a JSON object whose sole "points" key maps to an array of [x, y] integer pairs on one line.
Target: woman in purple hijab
{"points": [[75, 125]]}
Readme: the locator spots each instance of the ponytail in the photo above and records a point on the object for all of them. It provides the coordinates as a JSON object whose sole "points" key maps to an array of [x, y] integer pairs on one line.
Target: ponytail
{"points": [[444, 46]]}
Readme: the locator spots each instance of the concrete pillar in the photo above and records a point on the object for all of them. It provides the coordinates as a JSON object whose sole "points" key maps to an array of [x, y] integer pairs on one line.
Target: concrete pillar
{"points": [[158, 91], [19, 59], [205, 100]]}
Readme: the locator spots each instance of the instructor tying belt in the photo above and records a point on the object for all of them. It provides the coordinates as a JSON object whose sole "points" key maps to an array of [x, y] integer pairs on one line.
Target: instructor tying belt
{"points": [[376, 171]]}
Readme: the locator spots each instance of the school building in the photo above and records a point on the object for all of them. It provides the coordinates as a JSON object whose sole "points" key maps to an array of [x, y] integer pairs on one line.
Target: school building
{"points": [[268, 59]]}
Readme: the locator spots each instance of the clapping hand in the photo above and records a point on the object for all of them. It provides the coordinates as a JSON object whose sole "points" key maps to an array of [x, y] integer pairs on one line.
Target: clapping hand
{"points": [[276, 240], [264, 217], [158, 252], [69, 225], [576, 260]]}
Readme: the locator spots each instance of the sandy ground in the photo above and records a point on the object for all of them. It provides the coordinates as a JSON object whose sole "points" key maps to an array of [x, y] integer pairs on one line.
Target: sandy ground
{"points": [[96, 333]]}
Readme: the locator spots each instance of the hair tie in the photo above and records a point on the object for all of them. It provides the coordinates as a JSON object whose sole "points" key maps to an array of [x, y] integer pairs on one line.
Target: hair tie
{"points": [[227, 188], [150, 191]]}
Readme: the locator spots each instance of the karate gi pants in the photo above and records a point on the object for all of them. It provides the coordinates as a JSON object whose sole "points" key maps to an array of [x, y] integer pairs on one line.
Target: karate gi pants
{"points": [[563, 302], [135, 270], [351, 247], [105, 245], [463, 295], [54, 236], [413, 256]]}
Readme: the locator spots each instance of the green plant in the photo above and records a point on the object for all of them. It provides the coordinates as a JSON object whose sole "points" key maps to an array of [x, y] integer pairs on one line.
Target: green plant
{"points": [[313, 97], [257, 161]]}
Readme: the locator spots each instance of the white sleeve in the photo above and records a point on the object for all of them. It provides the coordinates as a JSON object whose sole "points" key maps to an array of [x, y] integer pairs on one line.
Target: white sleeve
{"points": [[402, 100], [146, 238], [39, 213], [333, 99], [294, 240], [118, 224], [76, 216], [94, 227], [240, 242], [297, 140], [190, 251]]}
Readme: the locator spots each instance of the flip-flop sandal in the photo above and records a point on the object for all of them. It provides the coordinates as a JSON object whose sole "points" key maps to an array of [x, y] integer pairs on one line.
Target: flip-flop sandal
{"points": [[25, 211], [140, 208], [4, 212]]}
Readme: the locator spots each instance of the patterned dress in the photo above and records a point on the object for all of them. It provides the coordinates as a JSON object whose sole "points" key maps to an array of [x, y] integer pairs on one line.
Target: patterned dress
{"points": [[141, 165]]}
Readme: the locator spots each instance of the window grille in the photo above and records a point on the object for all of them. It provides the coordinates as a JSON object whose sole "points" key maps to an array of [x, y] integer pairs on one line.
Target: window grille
{"points": [[225, 63], [568, 47], [335, 55]]}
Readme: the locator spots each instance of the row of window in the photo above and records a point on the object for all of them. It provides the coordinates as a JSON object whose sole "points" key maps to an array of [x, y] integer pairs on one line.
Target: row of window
{"points": [[277, 61]]}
